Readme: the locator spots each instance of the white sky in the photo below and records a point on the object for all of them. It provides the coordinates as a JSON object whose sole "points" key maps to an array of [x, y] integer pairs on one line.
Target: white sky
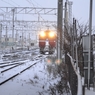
{"points": [[80, 8]]}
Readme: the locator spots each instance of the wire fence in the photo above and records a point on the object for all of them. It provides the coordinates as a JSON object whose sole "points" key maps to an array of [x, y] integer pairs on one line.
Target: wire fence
{"points": [[72, 77]]}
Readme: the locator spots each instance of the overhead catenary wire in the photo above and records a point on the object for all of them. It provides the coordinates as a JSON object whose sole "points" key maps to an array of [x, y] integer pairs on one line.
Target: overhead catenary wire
{"points": [[36, 2], [7, 2], [37, 6], [30, 2], [14, 2]]}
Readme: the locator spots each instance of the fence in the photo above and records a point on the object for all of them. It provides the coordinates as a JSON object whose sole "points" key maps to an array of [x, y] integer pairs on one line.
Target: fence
{"points": [[75, 79]]}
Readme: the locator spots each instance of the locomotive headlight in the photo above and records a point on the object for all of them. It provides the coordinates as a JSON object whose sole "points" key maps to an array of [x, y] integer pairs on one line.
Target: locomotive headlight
{"points": [[42, 34], [51, 34]]}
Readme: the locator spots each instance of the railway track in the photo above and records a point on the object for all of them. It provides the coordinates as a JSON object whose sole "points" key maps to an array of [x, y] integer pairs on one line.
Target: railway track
{"points": [[5, 77]]}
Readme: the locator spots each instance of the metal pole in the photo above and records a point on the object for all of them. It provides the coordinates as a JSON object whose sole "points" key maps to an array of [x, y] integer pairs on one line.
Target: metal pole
{"points": [[73, 35], [6, 38], [76, 46], [22, 39], [65, 29], [70, 22], [70, 15], [0, 33], [29, 39], [66, 17], [16, 36], [13, 25], [90, 30], [59, 29]]}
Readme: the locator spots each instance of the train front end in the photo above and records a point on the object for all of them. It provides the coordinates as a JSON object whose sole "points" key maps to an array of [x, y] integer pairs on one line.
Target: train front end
{"points": [[47, 41]]}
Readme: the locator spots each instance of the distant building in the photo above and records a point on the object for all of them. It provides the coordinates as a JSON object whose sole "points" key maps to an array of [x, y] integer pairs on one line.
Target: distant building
{"points": [[7, 42]]}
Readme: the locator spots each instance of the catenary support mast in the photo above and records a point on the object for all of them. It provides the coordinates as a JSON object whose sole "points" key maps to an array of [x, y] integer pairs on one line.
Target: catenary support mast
{"points": [[59, 29]]}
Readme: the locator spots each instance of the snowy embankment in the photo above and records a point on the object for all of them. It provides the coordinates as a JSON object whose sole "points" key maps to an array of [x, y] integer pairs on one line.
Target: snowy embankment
{"points": [[38, 80]]}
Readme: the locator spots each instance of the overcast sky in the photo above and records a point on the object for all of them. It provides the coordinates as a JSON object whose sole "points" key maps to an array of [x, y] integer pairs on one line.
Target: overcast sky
{"points": [[80, 8]]}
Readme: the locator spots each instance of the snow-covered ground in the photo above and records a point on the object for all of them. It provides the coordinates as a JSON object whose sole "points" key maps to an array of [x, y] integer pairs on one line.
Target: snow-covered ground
{"points": [[36, 81], [89, 92]]}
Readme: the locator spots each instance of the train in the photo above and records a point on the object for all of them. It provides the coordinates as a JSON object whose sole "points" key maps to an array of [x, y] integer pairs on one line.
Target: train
{"points": [[47, 41]]}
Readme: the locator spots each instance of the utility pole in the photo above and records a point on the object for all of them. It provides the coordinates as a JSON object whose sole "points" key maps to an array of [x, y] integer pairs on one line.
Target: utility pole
{"points": [[6, 37], [16, 35], [65, 17], [13, 10], [65, 21], [29, 40], [22, 40], [70, 22], [73, 35], [76, 45], [0, 33], [70, 15], [90, 31], [16, 38], [59, 29]]}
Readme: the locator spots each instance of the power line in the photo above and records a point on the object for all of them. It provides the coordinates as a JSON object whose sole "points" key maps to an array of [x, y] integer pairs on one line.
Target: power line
{"points": [[14, 3], [7, 3], [30, 2], [36, 3]]}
